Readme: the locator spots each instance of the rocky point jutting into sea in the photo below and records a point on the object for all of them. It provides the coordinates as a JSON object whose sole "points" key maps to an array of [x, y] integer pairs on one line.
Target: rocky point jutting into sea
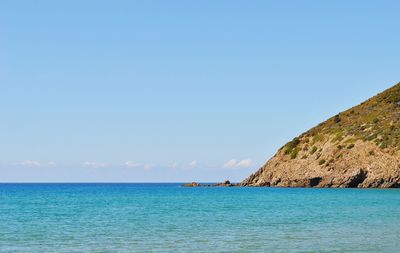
{"points": [[356, 148]]}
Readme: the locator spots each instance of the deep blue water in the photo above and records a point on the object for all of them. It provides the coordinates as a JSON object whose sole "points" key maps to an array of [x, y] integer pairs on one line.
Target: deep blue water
{"points": [[170, 218]]}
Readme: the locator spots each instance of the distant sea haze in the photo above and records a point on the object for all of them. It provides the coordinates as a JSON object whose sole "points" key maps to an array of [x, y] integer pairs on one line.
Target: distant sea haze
{"points": [[172, 218]]}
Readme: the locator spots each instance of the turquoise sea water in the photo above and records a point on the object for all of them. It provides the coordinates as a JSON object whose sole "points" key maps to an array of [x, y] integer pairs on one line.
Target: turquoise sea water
{"points": [[170, 218]]}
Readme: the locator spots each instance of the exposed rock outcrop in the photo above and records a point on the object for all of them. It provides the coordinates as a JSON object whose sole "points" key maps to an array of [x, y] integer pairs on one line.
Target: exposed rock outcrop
{"points": [[356, 148], [193, 184], [226, 183]]}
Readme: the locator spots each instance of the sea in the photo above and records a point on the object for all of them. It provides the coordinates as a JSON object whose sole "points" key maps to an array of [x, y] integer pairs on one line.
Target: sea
{"points": [[171, 218]]}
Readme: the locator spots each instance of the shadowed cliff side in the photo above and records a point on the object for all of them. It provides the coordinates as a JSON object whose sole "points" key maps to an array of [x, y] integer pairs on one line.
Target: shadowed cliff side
{"points": [[359, 147]]}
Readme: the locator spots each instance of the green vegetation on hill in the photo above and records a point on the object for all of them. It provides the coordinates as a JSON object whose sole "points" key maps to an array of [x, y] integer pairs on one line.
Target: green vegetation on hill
{"points": [[376, 120]]}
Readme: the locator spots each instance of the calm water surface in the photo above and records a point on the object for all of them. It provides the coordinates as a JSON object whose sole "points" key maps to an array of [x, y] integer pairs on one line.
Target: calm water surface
{"points": [[170, 218]]}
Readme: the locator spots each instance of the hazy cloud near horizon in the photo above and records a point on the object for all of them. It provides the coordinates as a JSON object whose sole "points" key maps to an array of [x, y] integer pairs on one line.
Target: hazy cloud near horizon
{"points": [[193, 163], [131, 164], [94, 164], [233, 163], [34, 163]]}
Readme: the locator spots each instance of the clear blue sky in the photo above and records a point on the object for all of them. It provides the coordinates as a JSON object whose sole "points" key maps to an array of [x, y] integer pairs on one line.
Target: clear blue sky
{"points": [[179, 90]]}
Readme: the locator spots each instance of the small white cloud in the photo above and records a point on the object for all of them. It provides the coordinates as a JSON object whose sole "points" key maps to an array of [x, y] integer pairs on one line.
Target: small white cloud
{"points": [[30, 163], [173, 165], [37, 164], [148, 165], [233, 163], [94, 164], [131, 164], [193, 163], [230, 164], [244, 163]]}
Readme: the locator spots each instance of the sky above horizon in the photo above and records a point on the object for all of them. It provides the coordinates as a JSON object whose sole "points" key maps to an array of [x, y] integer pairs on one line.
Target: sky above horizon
{"points": [[176, 91]]}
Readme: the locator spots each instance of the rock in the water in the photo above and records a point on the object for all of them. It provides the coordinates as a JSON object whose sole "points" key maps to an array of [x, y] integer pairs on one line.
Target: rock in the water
{"points": [[193, 184], [226, 183], [356, 148]]}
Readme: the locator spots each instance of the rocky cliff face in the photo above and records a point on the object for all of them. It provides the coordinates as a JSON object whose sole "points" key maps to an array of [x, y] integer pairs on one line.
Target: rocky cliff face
{"points": [[356, 148]]}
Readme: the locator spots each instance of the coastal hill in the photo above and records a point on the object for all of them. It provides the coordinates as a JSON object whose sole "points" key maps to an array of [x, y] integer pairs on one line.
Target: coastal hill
{"points": [[359, 147]]}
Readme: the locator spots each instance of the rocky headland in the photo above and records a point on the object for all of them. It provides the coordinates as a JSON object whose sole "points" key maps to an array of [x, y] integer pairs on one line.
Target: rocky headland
{"points": [[357, 148]]}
